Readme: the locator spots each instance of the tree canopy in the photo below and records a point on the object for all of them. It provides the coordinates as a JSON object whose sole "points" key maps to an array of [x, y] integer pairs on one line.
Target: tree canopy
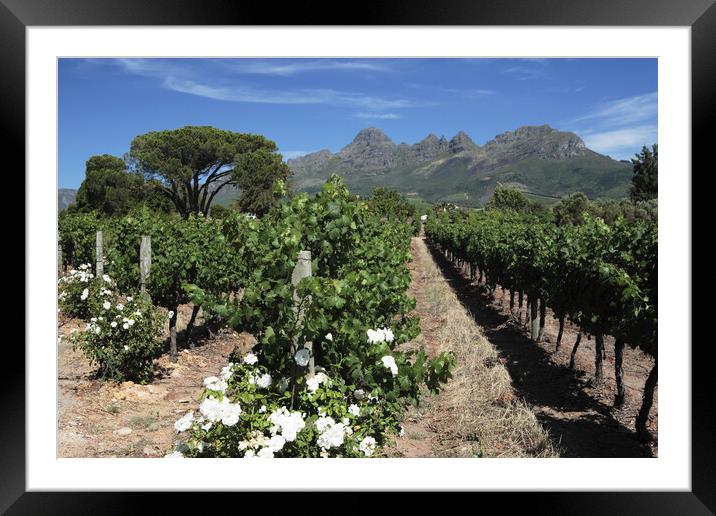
{"points": [[193, 163], [508, 198], [108, 188], [645, 180], [257, 175]]}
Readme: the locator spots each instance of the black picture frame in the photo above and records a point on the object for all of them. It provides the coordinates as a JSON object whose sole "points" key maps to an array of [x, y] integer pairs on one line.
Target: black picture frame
{"points": [[700, 15]]}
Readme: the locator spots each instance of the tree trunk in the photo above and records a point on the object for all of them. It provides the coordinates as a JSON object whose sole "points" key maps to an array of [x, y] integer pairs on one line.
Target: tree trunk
{"points": [[534, 305], [190, 326], [520, 300], [574, 350], [559, 334], [646, 403], [481, 276], [598, 357], [173, 335], [618, 373], [542, 317], [512, 304]]}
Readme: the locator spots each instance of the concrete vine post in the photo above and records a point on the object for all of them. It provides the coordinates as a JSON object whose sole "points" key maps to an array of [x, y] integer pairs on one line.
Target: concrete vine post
{"points": [[59, 258], [534, 318], [300, 271], [99, 255], [145, 262]]}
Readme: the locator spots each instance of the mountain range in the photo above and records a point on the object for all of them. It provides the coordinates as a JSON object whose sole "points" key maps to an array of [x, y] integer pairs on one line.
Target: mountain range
{"points": [[544, 163], [539, 160]]}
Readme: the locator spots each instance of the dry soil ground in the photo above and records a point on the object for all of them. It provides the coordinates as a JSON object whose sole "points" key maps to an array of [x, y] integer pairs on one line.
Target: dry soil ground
{"points": [[104, 419]]}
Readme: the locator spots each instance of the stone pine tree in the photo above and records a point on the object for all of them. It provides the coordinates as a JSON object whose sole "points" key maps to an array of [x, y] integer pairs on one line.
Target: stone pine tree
{"points": [[191, 165], [108, 188], [257, 175], [644, 182]]}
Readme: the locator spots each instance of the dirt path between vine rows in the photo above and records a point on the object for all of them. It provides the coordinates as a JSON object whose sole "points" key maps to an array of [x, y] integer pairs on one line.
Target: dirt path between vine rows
{"points": [[478, 413], [578, 415], [105, 419]]}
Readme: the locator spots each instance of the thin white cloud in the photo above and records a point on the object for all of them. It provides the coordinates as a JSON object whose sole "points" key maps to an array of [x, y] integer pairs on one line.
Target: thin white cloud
{"points": [[238, 93], [620, 143], [625, 111], [181, 78], [303, 66], [378, 116], [289, 154], [524, 73], [470, 93]]}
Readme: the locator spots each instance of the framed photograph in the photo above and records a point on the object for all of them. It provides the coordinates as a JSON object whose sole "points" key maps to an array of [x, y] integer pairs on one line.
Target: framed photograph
{"points": [[424, 243]]}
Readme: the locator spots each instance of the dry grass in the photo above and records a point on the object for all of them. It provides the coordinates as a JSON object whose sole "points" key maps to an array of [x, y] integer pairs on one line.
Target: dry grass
{"points": [[477, 414]]}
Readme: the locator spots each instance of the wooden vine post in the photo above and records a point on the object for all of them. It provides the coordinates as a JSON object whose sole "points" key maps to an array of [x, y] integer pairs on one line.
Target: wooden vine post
{"points": [[145, 262], [99, 255]]}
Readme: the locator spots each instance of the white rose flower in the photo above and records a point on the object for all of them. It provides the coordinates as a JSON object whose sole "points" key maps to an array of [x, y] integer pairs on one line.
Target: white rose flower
{"points": [[106, 305], [85, 294], [288, 423], [354, 409], [264, 381], [332, 436], [313, 382], [265, 453], [276, 443], [113, 324], [129, 299], [215, 384], [227, 372], [359, 394], [184, 423], [224, 411], [125, 326], [250, 359], [329, 336], [120, 306], [389, 363], [367, 446]]}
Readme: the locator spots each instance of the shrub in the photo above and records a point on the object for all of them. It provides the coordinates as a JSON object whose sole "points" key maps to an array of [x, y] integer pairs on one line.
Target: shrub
{"points": [[123, 338], [81, 294], [247, 413]]}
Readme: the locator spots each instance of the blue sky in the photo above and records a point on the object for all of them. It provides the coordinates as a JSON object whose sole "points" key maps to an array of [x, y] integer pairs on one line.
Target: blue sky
{"points": [[309, 104]]}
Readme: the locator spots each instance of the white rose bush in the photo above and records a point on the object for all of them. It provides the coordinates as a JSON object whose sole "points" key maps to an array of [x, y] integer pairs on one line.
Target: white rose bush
{"points": [[80, 293], [122, 337]]}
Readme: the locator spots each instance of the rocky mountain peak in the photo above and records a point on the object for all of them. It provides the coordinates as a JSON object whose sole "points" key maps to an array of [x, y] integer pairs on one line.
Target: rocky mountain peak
{"points": [[371, 136], [540, 141], [429, 147], [461, 142]]}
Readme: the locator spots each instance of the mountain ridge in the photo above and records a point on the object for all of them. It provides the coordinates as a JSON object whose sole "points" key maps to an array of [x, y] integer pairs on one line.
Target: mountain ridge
{"points": [[459, 170]]}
